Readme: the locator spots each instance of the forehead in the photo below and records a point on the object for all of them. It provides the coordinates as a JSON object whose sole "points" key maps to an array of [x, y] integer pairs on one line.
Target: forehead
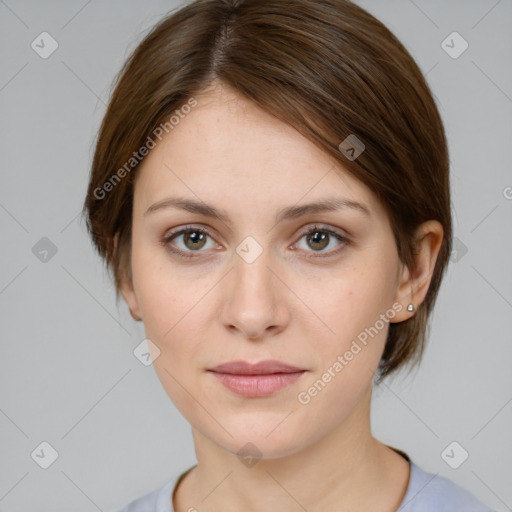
{"points": [[227, 149]]}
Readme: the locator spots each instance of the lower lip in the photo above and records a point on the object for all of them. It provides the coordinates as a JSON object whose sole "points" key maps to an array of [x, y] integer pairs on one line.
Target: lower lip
{"points": [[253, 386]]}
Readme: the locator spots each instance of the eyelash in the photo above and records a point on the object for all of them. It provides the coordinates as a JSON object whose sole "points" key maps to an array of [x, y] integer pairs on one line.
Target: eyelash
{"points": [[166, 241]]}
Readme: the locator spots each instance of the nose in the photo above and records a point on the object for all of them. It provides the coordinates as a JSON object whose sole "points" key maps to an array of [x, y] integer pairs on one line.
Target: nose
{"points": [[255, 299]]}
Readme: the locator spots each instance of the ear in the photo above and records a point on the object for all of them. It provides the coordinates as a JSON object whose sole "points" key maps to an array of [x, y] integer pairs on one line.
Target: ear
{"points": [[414, 284], [126, 285]]}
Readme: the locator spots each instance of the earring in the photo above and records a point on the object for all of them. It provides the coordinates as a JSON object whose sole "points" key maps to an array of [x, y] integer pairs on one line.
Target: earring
{"points": [[410, 307]]}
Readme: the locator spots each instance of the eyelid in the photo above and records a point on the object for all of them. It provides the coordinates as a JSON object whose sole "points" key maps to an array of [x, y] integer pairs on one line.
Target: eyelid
{"points": [[324, 227]]}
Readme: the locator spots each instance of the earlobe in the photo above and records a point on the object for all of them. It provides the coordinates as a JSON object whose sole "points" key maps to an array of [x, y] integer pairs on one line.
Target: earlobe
{"points": [[131, 300], [414, 283]]}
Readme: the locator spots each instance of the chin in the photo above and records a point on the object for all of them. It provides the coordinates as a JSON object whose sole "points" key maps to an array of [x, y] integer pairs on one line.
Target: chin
{"points": [[262, 441], [262, 449]]}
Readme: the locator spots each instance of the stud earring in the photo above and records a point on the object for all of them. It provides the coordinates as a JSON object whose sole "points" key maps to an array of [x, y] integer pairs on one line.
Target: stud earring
{"points": [[410, 307]]}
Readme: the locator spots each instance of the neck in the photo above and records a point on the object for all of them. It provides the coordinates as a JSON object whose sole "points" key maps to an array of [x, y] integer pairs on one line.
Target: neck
{"points": [[348, 469]]}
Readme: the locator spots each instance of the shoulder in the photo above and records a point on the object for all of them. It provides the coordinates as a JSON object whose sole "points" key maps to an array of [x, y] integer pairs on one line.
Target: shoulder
{"points": [[429, 491], [158, 500]]}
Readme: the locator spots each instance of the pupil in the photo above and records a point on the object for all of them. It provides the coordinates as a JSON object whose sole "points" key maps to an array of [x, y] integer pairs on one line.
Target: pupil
{"points": [[195, 237], [319, 237]]}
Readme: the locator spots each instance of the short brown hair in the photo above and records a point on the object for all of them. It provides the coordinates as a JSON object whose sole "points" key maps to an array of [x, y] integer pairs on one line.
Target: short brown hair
{"points": [[326, 67]]}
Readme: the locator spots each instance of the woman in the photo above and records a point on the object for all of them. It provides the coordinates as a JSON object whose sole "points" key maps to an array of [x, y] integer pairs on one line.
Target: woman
{"points": [[270, 189]]}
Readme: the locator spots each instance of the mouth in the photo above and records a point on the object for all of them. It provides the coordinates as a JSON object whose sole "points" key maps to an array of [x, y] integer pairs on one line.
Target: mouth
{"points": [[256, 380]]}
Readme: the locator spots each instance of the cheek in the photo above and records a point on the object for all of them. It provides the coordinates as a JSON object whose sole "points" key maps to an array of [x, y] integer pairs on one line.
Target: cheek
{"points": [[162, 294], [170, 310], [356, 306], [176, 310], [348, 353], [352, 300]]}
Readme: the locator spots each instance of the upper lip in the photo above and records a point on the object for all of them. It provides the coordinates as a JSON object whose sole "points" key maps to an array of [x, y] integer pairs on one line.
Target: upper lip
{"points": [[262, 368]]}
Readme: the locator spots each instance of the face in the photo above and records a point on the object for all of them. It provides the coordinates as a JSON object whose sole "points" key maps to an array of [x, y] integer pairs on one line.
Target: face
{"points": [[315, 290]]}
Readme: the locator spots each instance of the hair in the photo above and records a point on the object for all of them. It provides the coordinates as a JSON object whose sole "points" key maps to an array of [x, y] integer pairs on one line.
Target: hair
{"points": [[329, 69]]}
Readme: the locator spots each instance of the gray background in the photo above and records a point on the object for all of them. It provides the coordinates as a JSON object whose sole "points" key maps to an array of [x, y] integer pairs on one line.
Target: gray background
{"points": [[67, 372]]}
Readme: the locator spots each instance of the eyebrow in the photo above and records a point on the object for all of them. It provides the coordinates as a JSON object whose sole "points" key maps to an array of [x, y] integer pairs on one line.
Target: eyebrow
{"points": [[290, 212]]}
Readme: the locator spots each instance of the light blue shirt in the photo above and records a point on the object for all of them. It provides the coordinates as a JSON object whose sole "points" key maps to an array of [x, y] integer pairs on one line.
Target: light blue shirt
{"points": [[426, 492]]}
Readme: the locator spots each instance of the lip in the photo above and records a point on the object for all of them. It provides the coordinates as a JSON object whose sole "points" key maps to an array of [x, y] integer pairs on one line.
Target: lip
{"points": [[262, 368], [256, 380]]}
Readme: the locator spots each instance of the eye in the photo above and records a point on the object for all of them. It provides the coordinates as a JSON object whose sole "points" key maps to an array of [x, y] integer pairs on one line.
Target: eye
{"points": [[318, 238], [193, 239]]}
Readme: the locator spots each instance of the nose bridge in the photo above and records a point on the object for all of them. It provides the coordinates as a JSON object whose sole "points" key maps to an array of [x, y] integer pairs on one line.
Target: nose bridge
{"points": [[251, 273], [252, 277], [254, 302]]}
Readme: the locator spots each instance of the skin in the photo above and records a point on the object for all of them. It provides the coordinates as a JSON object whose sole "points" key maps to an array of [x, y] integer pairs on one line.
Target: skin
{"points": [[287, 305]]}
